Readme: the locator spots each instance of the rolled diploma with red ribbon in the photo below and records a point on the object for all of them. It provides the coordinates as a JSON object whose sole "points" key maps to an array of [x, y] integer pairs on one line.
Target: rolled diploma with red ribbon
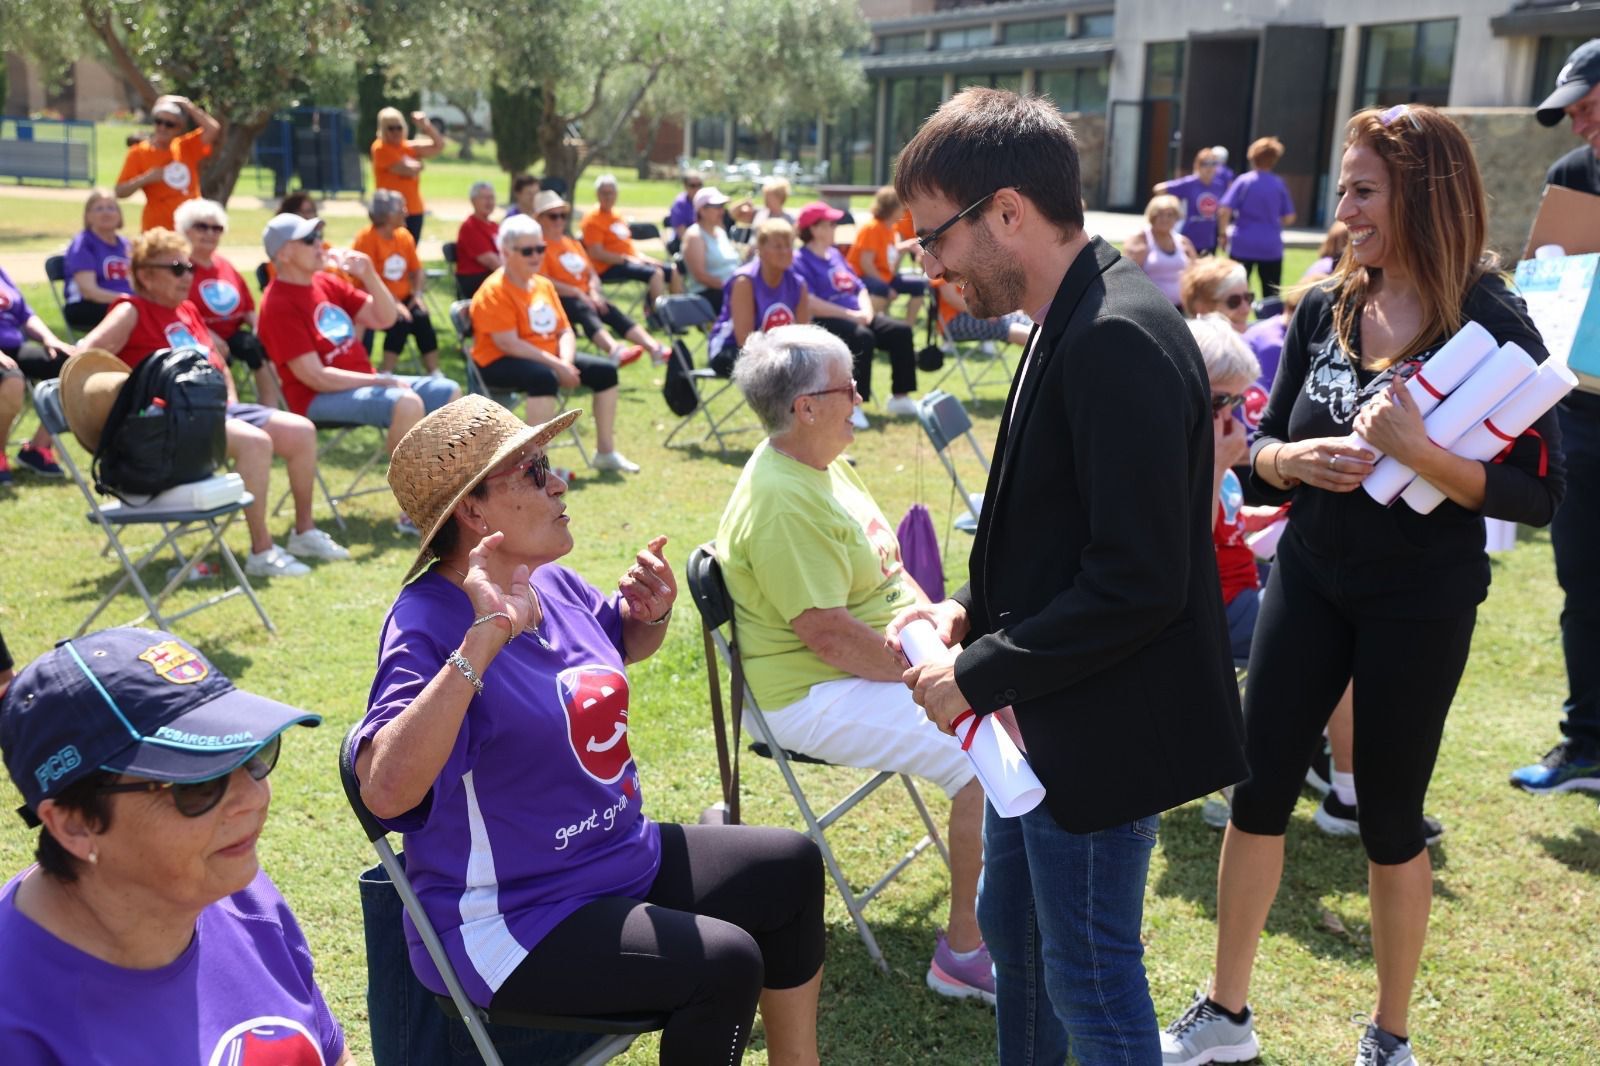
{"points": [[1003, 771], [1501, 428], [1474, 398], [1455, 360]]}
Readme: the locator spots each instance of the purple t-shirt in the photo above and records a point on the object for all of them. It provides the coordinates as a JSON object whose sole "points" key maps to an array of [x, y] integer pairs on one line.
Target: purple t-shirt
{"points": [[1258, 200], [110, 263], [1200, 200], [776, 305], [830, 278], [14, 314], [537, 810], [1266, 340], [242, 992], [681, 213]]}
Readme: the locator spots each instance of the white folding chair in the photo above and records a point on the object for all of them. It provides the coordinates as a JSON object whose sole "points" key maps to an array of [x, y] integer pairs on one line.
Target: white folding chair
{"points": [[113, 518], [944, 420], [681, 314], [710, 595]]}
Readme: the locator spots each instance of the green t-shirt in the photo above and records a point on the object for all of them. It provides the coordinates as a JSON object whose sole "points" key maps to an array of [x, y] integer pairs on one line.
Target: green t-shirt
{"points": [[792, 538]]}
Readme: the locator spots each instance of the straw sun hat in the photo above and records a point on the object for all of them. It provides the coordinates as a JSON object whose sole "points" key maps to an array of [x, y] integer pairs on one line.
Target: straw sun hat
{"points": [[444, 456], [90, 382]]}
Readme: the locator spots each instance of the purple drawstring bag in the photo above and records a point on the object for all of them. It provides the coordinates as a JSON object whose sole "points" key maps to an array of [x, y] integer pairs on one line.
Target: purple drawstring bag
{"points": [[919, 551]]}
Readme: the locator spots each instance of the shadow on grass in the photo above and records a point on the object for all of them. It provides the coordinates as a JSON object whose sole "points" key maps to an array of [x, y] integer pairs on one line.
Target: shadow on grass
{"points": [[1579, 850]]}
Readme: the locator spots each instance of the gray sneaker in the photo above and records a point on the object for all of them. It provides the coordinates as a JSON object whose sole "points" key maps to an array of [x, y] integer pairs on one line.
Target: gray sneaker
{"points": [[1203, 1034], [1381, 1048]]}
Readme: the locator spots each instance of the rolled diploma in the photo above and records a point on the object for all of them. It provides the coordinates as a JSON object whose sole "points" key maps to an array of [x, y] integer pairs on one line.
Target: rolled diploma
{"points": [[1439, 376], [1511, 419], [1002, 770], [1464, 408]]}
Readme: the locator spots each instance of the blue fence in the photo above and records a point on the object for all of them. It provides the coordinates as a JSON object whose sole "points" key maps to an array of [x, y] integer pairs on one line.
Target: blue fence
{"points": [[47, 150], [310, 147]]}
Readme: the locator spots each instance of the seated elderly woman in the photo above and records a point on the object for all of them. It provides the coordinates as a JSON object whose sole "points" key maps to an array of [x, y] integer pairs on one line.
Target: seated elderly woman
{"points": [[148, 933], [29, 350], [1162, 253], [220, 293], [496, 740], [774, 194], [959, 324], [393, 251], [96, 262], [709, 255], [159, 315], [1216, 284], [477, 254], [609, 241], [815, 573], [522, 342], [765, 293]]}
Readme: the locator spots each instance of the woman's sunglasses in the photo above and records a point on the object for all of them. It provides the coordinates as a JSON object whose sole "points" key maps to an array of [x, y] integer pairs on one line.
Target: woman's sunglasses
{"points": [[166, 124], [536, 470], [198, 797], [558, 216], [531, 250], [179, 270], [1236, 300], [1223, 401], [208, 227]]}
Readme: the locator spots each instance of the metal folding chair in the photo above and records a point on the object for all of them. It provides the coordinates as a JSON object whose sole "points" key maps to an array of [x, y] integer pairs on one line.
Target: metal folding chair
{"points": [[944, 420], [112, 518], [617, 1031], [340, 431], [710, 595], [680, 314], [976, 361]]}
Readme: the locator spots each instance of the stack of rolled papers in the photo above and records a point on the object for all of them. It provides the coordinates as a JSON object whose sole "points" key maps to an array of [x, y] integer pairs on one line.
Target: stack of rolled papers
{"points": [[1495, 379], [1493, 434], [1003, 771], [1499, 535], [1439, 376]]}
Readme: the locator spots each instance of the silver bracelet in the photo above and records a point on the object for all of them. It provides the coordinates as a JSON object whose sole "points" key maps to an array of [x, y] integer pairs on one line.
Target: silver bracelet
{"points": [[511, 623], [662, 620], [459, 661]]}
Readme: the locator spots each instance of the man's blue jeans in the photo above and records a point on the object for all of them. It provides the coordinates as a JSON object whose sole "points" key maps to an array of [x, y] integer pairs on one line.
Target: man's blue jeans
{"points": [[1061, 913]]}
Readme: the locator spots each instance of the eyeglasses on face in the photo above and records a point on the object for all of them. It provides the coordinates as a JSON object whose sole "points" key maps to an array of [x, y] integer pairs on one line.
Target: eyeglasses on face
{"points": [[197, 797], [530, 250], [393, 128], [179, 270], [848, 390], [1224, 401], [536, 470], [166, 123], [1235, 300], [558, 216], [208, 227], [312, 239], [927, 240]]}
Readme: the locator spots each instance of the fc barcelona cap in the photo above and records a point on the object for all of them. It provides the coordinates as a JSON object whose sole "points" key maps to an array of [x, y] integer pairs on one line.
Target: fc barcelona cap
{"points": [[133, 701]]}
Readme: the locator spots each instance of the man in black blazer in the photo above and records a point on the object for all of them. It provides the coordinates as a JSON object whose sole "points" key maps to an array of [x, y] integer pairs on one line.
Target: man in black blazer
{"points": [[1092, 606]]}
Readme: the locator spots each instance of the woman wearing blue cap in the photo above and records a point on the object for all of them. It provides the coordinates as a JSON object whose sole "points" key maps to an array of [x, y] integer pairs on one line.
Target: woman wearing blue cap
{"points": [[147, 932]]}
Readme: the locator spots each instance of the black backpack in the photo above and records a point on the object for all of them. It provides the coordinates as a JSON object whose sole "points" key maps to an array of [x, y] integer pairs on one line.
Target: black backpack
{"points": [[678, 387], [165, 427]]}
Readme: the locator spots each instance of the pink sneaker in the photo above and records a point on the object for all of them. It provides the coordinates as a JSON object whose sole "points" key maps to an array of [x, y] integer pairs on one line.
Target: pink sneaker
{"points": [[961, 978]]}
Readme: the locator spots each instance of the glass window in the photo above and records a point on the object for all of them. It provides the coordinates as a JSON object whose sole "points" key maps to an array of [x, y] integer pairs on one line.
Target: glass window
{"points": [[1083, 89], [1099, 24], [1035, 31], [1163, 70], [1407, 63], [966, 37], [1553, 53], [900, 43], [910, 101], [1011, 81]]}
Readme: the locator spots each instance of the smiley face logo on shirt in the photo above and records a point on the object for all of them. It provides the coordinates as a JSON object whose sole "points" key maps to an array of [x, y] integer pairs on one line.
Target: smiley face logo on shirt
{"points": [[843, 280], [334, 323], [595, 699], [394, 267], [179, 336], [5, 300], [176, 176], [1255, 405], [574, 264], [779, 314], [267, 1041], [116, 268], [219, 296], [1207, 205], [620, 229], [542, 318]]}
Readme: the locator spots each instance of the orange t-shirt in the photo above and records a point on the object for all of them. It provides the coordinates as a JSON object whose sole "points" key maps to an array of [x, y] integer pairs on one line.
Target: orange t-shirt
{"points": [[395, 256], [566, 261], [385, 156], [873, 236], [904, 230], [946, 310], [180, 175], [535, 313], [609, 230]]}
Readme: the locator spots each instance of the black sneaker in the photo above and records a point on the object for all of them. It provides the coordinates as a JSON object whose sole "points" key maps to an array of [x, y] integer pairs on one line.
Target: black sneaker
{"points": [[1342, 820]]}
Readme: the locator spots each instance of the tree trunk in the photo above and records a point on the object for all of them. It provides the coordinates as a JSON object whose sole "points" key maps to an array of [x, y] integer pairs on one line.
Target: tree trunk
{"points": [[232, 152], [560, 158], [652, 131]]}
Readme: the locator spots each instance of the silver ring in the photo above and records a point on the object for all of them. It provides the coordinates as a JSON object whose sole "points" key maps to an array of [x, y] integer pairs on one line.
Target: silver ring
{"points": [[1333, 461]]}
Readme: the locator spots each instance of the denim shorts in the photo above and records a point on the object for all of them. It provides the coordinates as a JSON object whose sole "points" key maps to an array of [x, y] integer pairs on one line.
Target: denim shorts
{"points": [[372, 405]]}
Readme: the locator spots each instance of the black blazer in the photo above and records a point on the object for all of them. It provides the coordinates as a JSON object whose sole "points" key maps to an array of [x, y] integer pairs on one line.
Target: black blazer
{"points": [[1093, 594]]}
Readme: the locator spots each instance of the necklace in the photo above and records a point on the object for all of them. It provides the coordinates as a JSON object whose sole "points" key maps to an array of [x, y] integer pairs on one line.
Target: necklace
{"points": [[530, 628]]}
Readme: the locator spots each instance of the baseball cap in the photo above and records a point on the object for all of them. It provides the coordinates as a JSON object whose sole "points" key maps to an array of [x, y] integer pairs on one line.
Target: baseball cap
{"points": [[1580, 74], [817, 211], [134, 701], [285, 228], [708, 197]]}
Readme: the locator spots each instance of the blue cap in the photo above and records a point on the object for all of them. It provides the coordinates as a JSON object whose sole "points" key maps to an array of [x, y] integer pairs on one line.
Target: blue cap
{"points": [[135, 701], [1579, 74]]}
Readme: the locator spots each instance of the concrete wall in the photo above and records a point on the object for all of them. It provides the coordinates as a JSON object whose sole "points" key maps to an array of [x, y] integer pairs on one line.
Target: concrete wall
{"points": [[1514, 152], [92, 93]]}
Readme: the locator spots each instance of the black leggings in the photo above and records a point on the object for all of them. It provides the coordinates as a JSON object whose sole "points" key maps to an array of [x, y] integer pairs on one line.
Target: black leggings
{"points": [[734, 909], [37, 362], [1271, 271], [891, 335], [586, 318], [394, 338], [536, 379], [84, 315], [1309, 641]]}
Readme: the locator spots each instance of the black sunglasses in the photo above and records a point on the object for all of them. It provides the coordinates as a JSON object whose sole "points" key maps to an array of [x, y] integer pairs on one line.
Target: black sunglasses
{"points": [[393, 129], [208, 227], [166, 124], [1236, 299], [926, 241], [536, 470], [1224, 401], [558, 216], [197, 797], [531, 250], [312, 239], [179, 270]]}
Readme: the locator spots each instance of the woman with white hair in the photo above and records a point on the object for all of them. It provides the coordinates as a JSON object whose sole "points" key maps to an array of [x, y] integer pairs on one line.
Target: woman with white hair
{"points": [[220, 293], [477, 248], [1216, 283], [397, 162], [393, 251]]}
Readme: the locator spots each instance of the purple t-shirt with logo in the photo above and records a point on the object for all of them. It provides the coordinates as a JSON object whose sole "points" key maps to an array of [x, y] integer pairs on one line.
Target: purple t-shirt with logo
{"points": [[830, 278], [537, 810], [776, 305], [110, 262], [1200, 200], [1258, 200], [242, 993], [14, 314], [681, 213]]}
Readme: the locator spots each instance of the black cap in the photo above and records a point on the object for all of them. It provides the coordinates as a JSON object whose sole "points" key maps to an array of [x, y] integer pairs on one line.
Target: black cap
{"points": [[1580, 74]]}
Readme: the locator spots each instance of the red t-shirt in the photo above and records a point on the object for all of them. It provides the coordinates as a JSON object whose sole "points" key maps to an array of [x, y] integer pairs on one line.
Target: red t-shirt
{"points": [[319, 317], [158, 327], [474, 239], [221, 295], [1236, 563]]}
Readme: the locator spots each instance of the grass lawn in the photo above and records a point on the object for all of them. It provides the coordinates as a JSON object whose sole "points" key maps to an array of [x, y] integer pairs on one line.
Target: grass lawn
{"points": [[1512, 969]]}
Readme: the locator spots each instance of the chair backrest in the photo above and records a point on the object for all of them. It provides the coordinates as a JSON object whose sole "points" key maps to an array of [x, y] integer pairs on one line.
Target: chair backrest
{"points": [[55, 268], [47, 401], [461, 319], [644, 231], [943, 418], [352, 787], [449, 251], [684, 311], [707, 589]]}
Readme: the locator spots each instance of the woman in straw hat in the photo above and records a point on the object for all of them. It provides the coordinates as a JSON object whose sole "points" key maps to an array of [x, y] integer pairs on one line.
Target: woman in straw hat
{"points": [[496, 739]]}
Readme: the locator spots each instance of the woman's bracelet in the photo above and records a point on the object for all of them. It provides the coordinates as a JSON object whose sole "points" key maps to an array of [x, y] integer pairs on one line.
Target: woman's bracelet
{"points": [[1276, 470], [662, 620], [511, 623], [459, 661]]}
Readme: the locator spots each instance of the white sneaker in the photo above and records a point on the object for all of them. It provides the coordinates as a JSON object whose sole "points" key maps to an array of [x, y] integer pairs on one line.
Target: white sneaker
{"points": [[614, 461], [274, 562], [902, 406], [315, 544], [858, 419]]}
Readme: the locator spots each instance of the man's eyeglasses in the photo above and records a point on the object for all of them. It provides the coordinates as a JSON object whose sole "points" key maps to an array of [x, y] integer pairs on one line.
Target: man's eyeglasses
{"points": [[927, 240], [531, 250], [558, 216], [179, 270], [166, 123], [208, 227], [1224, 401], [196, 798], [536, 470], [849, 390], [1235, 300]]}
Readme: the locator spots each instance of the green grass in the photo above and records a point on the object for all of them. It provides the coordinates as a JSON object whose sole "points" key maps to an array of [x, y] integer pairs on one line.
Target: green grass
{"points": [[1512, 969]]}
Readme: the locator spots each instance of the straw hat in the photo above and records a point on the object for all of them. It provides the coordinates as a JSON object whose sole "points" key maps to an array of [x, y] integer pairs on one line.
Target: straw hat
{"points": [[444, 456], [90, 382]]}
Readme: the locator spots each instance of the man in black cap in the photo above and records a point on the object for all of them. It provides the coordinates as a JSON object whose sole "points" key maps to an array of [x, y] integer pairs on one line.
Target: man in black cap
{"points": [[1575, 762]]}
